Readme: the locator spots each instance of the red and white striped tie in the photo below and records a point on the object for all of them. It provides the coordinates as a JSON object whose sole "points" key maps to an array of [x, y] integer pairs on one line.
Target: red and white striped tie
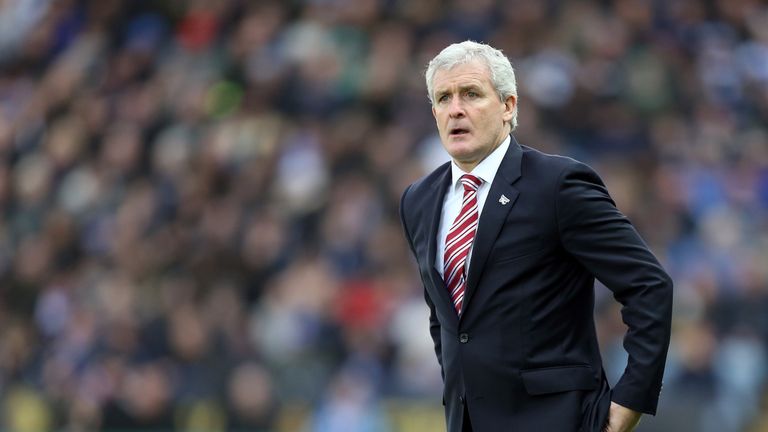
{"points": [[459, 240]]}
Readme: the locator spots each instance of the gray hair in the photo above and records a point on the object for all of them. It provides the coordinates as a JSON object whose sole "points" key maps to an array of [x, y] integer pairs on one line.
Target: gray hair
{"points": [[502, 73]]}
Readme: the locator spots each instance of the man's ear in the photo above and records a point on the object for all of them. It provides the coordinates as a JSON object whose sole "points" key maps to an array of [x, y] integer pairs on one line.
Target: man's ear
{"points": [[434, 114], [510, 105]]}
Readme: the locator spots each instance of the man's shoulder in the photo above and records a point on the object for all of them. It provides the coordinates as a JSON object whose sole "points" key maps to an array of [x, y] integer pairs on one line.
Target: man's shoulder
{"points": [[549, 162], [553, 166], [557, 173], [419, 191]]}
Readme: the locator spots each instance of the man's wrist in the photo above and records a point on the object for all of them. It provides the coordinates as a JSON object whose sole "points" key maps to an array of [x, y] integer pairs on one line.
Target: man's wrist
{"points": [[622, 419]]}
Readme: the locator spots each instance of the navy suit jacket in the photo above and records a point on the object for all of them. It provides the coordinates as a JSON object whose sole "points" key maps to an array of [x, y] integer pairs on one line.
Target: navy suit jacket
{"points": [[523, 356]]}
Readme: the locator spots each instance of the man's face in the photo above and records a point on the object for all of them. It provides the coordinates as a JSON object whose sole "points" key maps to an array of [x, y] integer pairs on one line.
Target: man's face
{"points": [[470, 117]]}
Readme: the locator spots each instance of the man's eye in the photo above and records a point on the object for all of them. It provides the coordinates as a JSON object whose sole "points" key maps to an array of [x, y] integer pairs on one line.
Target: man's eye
{"points": [[472, 94], [442, 98]]}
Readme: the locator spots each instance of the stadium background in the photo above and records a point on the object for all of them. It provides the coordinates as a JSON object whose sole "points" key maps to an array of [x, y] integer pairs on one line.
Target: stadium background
{"points": [[198, 226]]}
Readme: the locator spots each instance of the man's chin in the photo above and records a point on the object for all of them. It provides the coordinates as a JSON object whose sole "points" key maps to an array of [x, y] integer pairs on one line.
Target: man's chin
{"points": [[463, 157], [459, 145]]}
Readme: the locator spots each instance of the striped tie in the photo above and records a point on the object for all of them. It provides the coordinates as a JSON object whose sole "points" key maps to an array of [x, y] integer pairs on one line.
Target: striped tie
{"points": [[459, 240]]}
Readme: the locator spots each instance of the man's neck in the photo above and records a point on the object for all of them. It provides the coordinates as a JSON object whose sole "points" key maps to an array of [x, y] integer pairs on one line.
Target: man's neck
{"points": [[467, 167]]}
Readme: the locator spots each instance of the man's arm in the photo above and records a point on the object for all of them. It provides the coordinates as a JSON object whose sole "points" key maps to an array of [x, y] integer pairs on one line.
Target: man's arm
{"points": [[434, 331], [621, 419], [434, 324], [605, 243]]}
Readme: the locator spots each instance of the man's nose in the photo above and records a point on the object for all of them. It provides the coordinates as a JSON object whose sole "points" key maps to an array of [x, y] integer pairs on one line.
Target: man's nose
{"points": [[456, 109]]}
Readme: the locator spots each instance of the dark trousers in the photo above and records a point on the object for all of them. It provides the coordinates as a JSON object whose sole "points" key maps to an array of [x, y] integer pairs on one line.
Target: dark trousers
{"points": [[467, 424]]}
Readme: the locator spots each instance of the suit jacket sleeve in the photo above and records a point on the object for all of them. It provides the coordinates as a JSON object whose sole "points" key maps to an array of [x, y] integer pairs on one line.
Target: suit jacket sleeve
{"points": [[434, 324], [603, 240]]}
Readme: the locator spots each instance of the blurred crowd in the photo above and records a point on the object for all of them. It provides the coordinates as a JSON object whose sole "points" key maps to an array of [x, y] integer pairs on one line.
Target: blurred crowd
{"points": [[198, 201]]}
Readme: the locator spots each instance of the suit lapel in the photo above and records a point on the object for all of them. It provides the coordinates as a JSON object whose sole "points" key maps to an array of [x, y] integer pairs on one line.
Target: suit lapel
{"points": [[501, 199], [434, 208]]}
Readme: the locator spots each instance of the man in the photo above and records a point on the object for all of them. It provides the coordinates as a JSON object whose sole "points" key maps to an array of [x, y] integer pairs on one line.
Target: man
{"points": [[508, 242]]}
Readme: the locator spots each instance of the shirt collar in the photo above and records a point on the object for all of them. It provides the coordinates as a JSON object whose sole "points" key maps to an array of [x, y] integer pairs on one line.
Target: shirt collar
{"points": [[486, 169]]}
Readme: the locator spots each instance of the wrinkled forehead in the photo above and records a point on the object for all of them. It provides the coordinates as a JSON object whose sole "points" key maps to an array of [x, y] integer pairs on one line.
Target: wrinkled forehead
{"points": [[472, 72]]}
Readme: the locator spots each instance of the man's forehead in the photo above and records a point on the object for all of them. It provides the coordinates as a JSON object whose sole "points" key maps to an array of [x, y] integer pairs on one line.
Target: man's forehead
{"points": [[470, 73]]}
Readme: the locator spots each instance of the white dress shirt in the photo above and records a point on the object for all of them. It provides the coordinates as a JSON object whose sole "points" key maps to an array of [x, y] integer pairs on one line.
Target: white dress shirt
{"points": [[486, 171]]}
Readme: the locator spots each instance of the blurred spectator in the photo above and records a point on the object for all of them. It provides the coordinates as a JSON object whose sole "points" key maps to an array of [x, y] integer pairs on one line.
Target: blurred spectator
{"points": [[142, 402], [350, 405], [251, 398]]}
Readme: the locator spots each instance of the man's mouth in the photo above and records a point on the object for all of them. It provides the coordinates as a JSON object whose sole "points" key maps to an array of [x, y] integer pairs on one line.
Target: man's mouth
{"points": [[458, 132]]}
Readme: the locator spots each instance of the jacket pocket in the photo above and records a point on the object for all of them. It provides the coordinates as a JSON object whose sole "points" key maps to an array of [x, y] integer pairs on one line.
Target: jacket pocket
{"points": [[559, 379]]}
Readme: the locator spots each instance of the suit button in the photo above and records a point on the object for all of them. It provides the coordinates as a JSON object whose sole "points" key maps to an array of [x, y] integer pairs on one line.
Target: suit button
{"points": [[461, 400], [463, 338]]}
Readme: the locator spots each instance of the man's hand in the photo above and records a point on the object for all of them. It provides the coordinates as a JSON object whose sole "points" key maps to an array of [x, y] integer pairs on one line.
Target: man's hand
{"points": [[621, 419]]}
